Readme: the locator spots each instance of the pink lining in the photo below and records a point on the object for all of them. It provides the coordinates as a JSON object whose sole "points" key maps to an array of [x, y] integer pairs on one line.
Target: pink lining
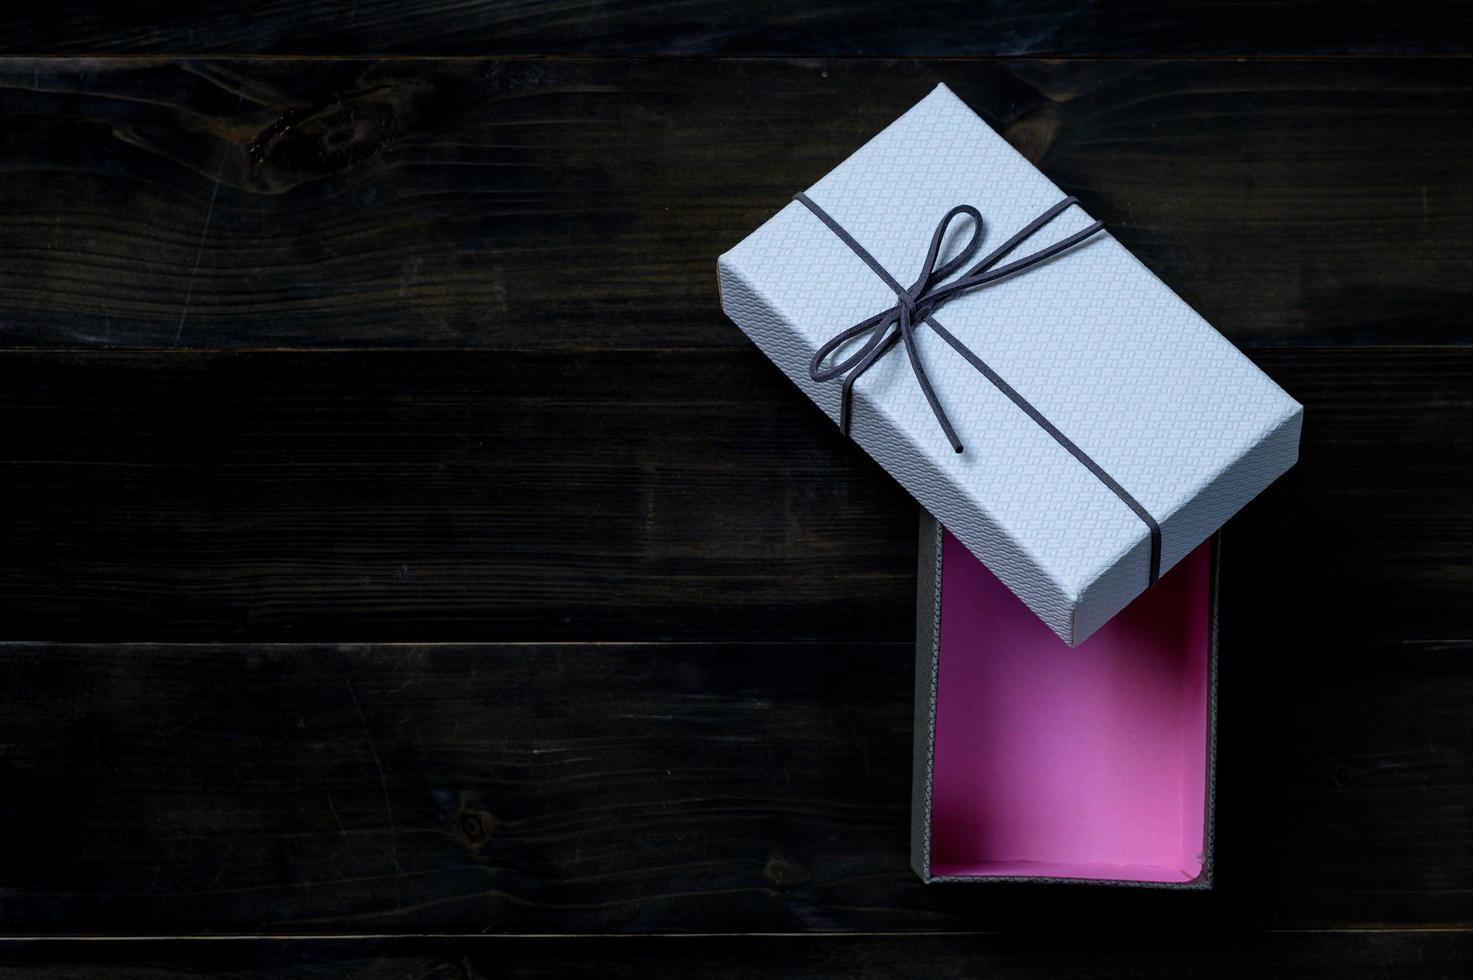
{"points": [[1077, 763]]}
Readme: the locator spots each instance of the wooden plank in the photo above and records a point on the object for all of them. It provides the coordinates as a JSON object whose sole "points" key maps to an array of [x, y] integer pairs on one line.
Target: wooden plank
{"points": [[580, 205], [619, 496], [667, 788], [867, 27], [435, 496], [1068, 953]]}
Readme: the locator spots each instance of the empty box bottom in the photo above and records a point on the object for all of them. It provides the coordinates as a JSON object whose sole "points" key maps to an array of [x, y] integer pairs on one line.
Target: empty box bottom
{"points": [[1088, 762]]}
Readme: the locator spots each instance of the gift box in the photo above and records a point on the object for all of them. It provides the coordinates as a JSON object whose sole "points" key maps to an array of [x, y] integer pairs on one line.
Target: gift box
{"points": [[1073, 423], [1034, 761]]}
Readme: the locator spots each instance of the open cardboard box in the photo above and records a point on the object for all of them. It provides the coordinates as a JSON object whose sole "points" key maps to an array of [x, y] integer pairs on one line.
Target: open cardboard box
{"points": [[1038, 761]]}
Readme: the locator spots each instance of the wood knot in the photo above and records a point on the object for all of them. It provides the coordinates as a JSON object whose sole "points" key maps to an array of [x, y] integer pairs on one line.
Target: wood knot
{"points": [[1034, 135], [476, 826], [327, 137], [780, 872]]}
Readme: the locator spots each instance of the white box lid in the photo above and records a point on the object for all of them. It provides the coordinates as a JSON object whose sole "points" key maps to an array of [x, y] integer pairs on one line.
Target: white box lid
{"points": [[1149, 396]]}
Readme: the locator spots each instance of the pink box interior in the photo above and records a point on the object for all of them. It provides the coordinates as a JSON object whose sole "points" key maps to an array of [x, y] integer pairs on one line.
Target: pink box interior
{"points": [[1088, 762]]}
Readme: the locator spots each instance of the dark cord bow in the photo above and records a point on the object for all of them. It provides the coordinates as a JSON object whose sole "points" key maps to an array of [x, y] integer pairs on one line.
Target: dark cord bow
{"points": [[926, 295]]}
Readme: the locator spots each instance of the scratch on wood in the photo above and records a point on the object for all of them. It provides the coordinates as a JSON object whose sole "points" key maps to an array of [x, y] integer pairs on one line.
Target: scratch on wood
{"points": [[204, 233], [342, 831], [388, 803], [200, 250]]}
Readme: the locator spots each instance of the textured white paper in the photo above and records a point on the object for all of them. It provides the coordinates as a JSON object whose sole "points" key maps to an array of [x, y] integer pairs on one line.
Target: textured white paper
{"points": [[1110, 355]]}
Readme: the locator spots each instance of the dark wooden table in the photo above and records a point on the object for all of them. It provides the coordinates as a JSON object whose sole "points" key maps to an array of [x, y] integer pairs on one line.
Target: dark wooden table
{"points": [[406, 570]]}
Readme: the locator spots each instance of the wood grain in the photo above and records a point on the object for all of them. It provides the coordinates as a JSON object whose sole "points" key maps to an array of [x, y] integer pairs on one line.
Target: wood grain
{"points": [[400, 546], [576, 205], [636, 788], [755, 27], [619, 496], [1440, 955]]}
